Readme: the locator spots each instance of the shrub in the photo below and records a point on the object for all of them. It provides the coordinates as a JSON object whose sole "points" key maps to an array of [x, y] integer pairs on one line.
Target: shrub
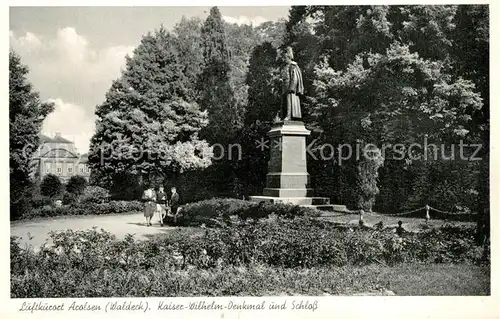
{"points": [[366, 178], [40, 201], [76, 185], [51, 186], [114, 207], [89, 208], [212, 210], [94, 194], [219, 211], [95, 263], [21, 204], [69, 198], [125, 186], [264, 209]]}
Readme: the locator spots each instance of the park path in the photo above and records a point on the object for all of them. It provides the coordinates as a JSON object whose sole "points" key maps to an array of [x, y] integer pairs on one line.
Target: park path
{"points": [[119, 225]]}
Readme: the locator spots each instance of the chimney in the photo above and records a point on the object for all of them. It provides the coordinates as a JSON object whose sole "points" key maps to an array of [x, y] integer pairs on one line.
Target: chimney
{"points": [[58, 134]]}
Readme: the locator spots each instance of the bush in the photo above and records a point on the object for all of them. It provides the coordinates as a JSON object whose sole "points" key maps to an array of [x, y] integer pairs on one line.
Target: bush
{"points": [[51, 186], [39, 201], [264, 209], [94, 194], [212, 210], [69, 198], [125, 186], [20, 205], [76, 185], [94, 263], [89, 208], [304, 242], [219, 211]]}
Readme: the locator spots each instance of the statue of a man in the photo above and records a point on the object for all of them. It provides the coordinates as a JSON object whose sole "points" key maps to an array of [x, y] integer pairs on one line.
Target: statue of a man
{"points": [[292, 86]]}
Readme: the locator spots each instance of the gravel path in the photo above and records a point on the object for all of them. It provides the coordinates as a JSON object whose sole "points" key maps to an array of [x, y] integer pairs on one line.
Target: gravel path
{"points": [[119, 225]]}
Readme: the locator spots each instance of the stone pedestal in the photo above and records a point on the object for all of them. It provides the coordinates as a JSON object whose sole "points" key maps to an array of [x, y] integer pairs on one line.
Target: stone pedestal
{"points": [[287, 170], [287, 179]]}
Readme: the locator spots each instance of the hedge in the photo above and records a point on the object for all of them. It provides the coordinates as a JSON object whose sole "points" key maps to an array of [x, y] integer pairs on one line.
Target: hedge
{"points": [[217, 211], [94, 263], [89, 208]]}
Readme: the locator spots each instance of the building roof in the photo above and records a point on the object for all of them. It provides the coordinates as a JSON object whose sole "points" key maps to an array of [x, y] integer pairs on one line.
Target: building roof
{"points": [[56, 139], [84, 158], [60, 139], [45, 139], [56, 146]]}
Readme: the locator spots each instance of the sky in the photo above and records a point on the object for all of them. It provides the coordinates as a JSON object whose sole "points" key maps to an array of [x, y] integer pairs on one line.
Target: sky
{"points": [[74, 53]]}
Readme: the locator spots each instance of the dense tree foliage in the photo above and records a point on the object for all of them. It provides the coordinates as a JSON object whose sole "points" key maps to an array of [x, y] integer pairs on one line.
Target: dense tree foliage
{"points": [[398, 74], [51, 186], [374, 77], [272, 32], [149, 123], [263, 80], [76, 185], [188, 42], [213, 59], [26, 115], [217, 95]]}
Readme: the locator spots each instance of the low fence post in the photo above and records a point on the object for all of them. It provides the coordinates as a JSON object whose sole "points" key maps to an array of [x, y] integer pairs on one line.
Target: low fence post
{"points": [[427, 216]]}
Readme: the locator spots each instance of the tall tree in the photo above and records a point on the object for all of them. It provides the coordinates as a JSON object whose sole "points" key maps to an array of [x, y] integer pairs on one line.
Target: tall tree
{"points": [[241, 39], [217, 96], [471, 53], [414, 90], [272, 32], [263, 84], [263, 104], [26, 115], [149, 124], [189, 46]]}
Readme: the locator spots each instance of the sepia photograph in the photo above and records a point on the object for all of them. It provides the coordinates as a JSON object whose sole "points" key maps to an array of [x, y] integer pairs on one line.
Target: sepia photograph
{"points": [[247, 151]]}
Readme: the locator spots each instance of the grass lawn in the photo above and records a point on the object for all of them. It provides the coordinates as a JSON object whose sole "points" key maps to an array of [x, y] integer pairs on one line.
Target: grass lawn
{"points": [[435, 279], [403, 280], [261, 280], [148, 273]]}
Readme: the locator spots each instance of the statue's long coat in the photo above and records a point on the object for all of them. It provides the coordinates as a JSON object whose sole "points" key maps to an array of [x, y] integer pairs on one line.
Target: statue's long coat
{"points": [[293, 87]]}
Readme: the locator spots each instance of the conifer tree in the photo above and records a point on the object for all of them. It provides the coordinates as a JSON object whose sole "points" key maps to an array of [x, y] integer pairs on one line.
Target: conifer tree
{"points": [[149, 124], [216, 94], [26, 115]]}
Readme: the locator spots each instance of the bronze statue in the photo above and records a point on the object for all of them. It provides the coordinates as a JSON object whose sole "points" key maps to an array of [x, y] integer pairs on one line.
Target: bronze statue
{"points": [[292, 86]]}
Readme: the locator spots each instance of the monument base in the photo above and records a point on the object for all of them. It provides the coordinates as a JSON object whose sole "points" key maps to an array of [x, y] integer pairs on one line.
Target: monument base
{"points": [[287, 179]]}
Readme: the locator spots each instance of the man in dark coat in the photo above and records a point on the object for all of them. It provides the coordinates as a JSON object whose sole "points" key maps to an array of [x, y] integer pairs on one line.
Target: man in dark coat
{"points": [[293, 86], [174, 203]]}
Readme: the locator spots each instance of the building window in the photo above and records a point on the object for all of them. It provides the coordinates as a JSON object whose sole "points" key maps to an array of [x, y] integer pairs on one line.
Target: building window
{"points": [[47, 167], [82, 169], [70, 169], [88, 169], [59, 170]]}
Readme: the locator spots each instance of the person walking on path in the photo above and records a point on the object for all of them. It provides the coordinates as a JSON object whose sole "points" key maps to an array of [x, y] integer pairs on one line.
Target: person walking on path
{"points": [[161, 205], [149, 198], [174, 203]]}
